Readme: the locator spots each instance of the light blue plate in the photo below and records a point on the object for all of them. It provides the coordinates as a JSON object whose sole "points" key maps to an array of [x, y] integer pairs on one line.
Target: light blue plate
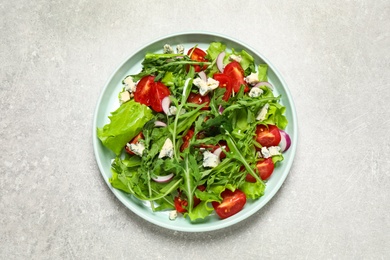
{"points": [[108, 102]]}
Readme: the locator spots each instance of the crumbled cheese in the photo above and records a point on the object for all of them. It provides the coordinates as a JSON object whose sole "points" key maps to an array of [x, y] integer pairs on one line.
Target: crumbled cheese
{"points": [[255, 92], [167, 49], [263, 112], [210, 160], [125, 96], [129, 84], [172, 215], [180, 49], [206, 87], [270, 151], [137, 148], [265, 152], [252, 79], [235, 57], [167, 149], [173, 111]]}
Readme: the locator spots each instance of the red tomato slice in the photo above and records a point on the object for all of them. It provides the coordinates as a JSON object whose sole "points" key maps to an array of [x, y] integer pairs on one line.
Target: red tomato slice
{"points": [[151, 93], [236, 73], [224, 82], [198, 55], [186, 139], [232, 203], [134, 141], [199, 99], [268, 136], [181, 204], [161, 91], [145, 91], [265, 168]]}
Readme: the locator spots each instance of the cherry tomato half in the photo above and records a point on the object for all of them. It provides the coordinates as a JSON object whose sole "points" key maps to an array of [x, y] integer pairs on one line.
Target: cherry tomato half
{"points": [[268, 135], [224, 82], [199, 99], [232, 203], [198, 55], [265, 168], [134, 141], [236, 73], [151, 93], [186, 139], [181, 204]]}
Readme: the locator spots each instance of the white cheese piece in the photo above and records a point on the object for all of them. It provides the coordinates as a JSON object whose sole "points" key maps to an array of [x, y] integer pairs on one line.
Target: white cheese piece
{"points": [[265, 152], [172, 111], [137, 148], [129, 84], [124, 96], [263, 112], [255, 92], [180, 49], [274, 150], [167, 149], [167, 49], [210, 160], [252, 79], [237, 58], [172, 215], [206, 87]]}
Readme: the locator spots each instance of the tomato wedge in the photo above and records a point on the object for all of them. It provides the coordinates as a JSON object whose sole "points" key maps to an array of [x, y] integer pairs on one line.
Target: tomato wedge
{"points": [[199, 99], [265, 168], [268, 135], [186, 140], [224, 82], [151, 93], [144, 93], [198, 55], [181, 204], [161, 91], [134, 141], [236, 73], [232, 203]]}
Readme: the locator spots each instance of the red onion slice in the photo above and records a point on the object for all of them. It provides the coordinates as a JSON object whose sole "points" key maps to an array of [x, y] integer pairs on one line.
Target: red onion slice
{"points": [[220, 109], [159, 123], [162, 179], [218, 152], [202, 76], [285, 141], [219, 62], [264, 83], [165, 104]]}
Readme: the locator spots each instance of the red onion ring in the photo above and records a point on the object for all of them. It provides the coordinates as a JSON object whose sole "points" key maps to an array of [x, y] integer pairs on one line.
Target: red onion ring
{"points": [[264, 83], [285, 141], [219, 61], [202, 75], [162, 179], [160, 123], [165, 102]]}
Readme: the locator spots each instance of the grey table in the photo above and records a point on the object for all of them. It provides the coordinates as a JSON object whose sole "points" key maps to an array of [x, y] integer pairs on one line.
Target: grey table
{"points": [[55, 57]]}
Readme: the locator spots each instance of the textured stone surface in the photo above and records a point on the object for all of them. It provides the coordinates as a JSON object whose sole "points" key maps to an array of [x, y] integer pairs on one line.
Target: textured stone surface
{"points": [[55, 57]]}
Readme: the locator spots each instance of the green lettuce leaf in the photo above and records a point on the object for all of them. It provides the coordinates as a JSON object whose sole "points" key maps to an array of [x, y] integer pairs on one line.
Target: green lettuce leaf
{"points": [[126, 122]]}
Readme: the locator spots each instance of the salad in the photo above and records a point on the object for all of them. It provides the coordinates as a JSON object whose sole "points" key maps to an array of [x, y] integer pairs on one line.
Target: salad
{"points": [[197, 131]]}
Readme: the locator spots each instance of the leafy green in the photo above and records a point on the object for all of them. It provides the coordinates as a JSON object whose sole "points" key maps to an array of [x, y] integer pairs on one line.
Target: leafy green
{"points": [[126, 122]]}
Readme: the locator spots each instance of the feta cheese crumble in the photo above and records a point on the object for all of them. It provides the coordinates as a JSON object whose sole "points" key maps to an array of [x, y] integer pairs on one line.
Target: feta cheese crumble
{"points": [[270, 151], [263, 112], [167, 49], [125, 96], [210, 160], [129, 84], [167, 149], [137, 148], [172, 215], [206, 87], [252, 79], [237, 58], [180, 49], [255, 92]]}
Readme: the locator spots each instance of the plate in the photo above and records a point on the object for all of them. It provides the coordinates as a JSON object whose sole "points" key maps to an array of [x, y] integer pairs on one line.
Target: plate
{"points": [[108, 102]]}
